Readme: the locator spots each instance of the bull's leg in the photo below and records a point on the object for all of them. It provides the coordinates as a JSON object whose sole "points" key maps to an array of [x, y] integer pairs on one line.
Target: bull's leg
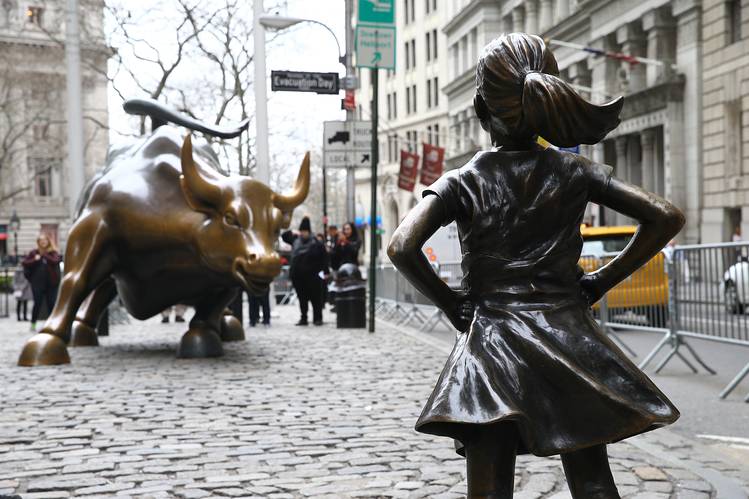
{"points": [[83, 332], [86, 266], [231, 327], [203, 338]]}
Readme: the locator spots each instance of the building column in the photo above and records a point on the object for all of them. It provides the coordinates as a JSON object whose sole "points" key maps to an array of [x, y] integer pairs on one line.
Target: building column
{"points": [[634, 160], [546, 14], [603, 216], [531, 17], [562, 10], [689, 59], [633, 42], [660, 28], [649, 176], [603, 72], [518, 19], [622, 170], [580, 75]]}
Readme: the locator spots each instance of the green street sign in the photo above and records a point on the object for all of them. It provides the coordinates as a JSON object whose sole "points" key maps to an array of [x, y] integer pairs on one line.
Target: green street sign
{"points": [[377, 12]]}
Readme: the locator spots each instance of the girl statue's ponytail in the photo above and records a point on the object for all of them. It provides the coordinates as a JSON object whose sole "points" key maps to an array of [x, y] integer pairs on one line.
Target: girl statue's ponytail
{"points": [[517, 80]]}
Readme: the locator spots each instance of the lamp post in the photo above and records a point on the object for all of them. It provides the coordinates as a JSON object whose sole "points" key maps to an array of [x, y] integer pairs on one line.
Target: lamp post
{"points": [[15, 226], [278, 23]]}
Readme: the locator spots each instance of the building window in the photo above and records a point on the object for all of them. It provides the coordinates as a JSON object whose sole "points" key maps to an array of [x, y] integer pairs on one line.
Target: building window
{"points": [[733, 21], [408, 55], [436, 88], [434, 5], [733, 138], [406, 11], [390, 108], [413, 10], [42, 169], [436, 134], [413, 53], [34, 15], [395, 105], [430, 137], [429, 94], [408, 100], [429, 46], [434, 44], [413, 98]]}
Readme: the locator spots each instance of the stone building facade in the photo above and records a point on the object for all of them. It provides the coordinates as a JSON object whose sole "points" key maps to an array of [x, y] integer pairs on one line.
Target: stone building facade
{"points": [[33, 151], [725, 34], [412, 108], [658, 143]]}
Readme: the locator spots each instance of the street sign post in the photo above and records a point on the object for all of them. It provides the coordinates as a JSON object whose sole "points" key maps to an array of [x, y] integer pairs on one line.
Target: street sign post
{"points": [[375, 49], [302, 81]]}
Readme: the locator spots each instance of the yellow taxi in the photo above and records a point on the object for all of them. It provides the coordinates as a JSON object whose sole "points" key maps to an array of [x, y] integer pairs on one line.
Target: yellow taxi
{"points": [[645, 292]]}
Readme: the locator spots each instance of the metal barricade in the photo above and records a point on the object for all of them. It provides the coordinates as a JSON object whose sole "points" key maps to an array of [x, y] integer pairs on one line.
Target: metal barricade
{"points": [[6, 290], [710, 288], [283, 291]]}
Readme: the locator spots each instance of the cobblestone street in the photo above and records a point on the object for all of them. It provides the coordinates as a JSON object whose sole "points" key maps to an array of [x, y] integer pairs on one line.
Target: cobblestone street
{"points": [[291, 412]]}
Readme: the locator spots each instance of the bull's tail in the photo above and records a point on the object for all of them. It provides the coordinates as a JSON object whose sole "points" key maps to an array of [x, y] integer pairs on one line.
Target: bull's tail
{"points": [[161, 114]]}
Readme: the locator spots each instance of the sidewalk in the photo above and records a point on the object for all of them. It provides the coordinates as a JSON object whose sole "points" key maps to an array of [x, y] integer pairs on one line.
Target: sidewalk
{"points": [[291, 412]]}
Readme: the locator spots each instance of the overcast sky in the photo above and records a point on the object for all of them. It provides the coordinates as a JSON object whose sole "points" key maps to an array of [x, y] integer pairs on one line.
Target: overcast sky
{"points": [[305, 47]]}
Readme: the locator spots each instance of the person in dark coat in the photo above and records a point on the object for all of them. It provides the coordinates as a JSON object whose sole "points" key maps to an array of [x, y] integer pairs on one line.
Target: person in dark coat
{"points": [[531, 370], [308, 259], [346, 248], [42, 268]]}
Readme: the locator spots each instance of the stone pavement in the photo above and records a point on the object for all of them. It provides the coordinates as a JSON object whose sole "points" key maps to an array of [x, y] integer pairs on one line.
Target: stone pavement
{"points": [[292, 412]]}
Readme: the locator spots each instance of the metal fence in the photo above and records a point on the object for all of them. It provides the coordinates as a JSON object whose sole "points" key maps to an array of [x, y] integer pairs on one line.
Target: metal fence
{"points": [[6, 290], [697, 291]]}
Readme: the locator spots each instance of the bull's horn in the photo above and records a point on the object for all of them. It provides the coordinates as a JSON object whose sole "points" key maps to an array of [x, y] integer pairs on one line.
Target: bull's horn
{"points": [[287, 202], [198, 188]]}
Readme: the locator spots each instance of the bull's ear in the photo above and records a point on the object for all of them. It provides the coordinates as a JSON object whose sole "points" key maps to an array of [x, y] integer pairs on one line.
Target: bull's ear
{"points": [[200, 192]]}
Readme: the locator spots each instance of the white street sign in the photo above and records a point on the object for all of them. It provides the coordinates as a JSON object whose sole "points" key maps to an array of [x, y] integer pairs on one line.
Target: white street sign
{"points": [[336, 136], [345, 159], [347, 143], [375, 47]]}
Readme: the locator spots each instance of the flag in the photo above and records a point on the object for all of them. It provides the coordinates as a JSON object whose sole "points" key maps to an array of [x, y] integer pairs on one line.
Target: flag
{"points": [[432, 168], [408, 171]]}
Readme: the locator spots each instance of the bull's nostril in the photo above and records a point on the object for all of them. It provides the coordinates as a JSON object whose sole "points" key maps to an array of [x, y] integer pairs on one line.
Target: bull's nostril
{"points": [[252, 257]]}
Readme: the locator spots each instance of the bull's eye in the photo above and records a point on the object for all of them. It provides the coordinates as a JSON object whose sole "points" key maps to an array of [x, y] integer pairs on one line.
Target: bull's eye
{"points": [[231, 219]]}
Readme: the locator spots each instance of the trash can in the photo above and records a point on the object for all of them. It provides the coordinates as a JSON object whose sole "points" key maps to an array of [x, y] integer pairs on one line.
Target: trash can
{"points": [[350, 297]]}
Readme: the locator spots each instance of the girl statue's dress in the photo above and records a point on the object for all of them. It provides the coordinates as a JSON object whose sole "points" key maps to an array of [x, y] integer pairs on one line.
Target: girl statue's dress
{"points": [[533, 355]]}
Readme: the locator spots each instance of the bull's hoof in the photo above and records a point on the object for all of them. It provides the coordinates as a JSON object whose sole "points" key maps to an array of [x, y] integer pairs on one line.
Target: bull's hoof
{"points": [[44, 349], [231, 329], [83, 335], [198, 343]]}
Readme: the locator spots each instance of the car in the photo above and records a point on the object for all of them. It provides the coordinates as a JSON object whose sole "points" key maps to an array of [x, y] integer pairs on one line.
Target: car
{"points": [[735, 286], [645, 292]]}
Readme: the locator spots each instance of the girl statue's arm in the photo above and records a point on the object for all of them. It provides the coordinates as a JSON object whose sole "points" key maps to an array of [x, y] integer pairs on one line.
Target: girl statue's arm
{"points": [[659, 221], [405, 252]]}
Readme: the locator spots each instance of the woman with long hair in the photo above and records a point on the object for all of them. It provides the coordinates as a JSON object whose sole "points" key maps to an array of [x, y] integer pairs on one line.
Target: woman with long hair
{"points": [[531, 371], [42, 268], [346, 248]]}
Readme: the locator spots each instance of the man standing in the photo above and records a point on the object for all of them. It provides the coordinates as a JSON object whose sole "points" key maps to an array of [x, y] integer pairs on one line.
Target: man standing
{"points": [[307, 261]]}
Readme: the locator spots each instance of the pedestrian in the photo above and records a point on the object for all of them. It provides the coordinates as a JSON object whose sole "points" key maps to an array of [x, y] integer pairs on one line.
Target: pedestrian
{"points": [[255, 304], [531, 371], [22, 293], [346, 249], [179, 313], [308, 261], [332, 237], [41, 267]]}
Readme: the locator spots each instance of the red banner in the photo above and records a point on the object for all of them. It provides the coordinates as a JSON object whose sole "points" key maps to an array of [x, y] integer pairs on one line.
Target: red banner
{"points": [[434, 158], [409, 169]]}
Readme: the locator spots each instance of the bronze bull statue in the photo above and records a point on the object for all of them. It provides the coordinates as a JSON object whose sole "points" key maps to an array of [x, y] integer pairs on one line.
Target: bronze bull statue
{"points": [[161, 225]]}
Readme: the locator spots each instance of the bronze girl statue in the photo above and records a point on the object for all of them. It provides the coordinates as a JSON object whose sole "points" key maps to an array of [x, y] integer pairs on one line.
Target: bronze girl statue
{"points": [[531, 371]]}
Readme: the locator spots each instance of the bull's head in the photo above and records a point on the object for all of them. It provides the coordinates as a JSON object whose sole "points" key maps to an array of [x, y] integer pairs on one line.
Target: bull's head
{"points": [[242, 220]]}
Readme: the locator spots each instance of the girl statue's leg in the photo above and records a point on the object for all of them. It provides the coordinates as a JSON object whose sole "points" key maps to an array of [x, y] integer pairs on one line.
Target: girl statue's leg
{"points": [[588, 474], [490, 461]]}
